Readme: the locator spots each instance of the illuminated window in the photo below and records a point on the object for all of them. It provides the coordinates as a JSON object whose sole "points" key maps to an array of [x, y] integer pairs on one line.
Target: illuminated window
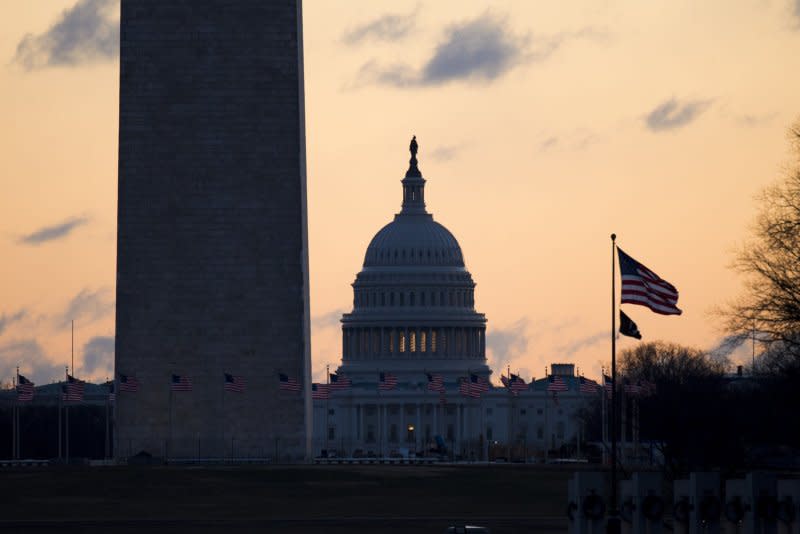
{"points": [[422, 340], [412, 341], [402, 340], [433, 340]]}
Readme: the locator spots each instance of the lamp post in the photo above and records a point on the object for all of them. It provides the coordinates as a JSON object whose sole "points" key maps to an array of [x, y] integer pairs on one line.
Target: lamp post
{"points": [[413, 439]]}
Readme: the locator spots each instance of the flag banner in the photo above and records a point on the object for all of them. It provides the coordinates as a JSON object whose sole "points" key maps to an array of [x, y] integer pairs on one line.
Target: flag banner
{"points": [[517, 383], [128, 383], [386, 381], [435, 382], [473, 386], [627, 327], [465, 389], [181, 383], [288, 384], [555, 384], [24, 389], [642, 286], [320, 391], [234, 383], [587, 385], [339, 382], [73, 389]]}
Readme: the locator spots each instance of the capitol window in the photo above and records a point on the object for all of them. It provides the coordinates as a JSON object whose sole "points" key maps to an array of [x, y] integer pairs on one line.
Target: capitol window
{"points": [[422, 341], [402, 340], [412, 341], [433, 340]]}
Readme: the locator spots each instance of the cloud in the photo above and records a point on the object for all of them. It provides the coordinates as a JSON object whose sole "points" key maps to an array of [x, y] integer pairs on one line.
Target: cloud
{"points": [[6, 320], [98, 355], [445, 153], [389, 27], [549, 143], [86, 32], [32, 362], [507, 343], [672, 114], [88, 306], [752, 121], [51, 233], [479, 50], [569, 350], [328, 320]]}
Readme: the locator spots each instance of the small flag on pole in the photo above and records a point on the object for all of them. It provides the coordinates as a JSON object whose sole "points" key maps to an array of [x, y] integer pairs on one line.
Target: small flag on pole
{"points": [[24, 389], [627, 327], [339, 382], [587, 385], [435, 382], [642, 286], [234, 383], [555, 384], [73, 389], [386, 381], [320, 391], [288, 384], [128, 383], [181, 383]]}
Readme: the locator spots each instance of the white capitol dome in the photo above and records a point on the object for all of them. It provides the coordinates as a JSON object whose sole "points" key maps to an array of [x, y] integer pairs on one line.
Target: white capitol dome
{"points": [[413, 306]]}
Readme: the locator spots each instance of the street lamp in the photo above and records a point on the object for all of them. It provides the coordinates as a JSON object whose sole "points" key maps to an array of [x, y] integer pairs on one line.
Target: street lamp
{"points": [[413, 438]]}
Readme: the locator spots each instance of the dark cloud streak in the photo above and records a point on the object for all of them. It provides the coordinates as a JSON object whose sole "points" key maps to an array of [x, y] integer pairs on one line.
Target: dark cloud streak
{"points": [[86, 32], [389, 27], [51, 233], [98, 355], [672, 114], [87, 306], [6, 320]]}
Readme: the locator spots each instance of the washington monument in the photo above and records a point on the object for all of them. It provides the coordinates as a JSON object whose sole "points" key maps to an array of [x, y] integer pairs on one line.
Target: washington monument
{"points": [[212, 247]]}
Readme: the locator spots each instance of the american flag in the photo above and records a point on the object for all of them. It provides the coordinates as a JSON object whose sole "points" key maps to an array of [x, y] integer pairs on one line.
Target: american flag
{"points": [[288, 384], [518, 383], [112, 396], [435, 382], [473, 386], [555, 383], [181, 383], [642, 286], [24, 389], [607, 385], [128, 384], [587, 385], [73, 389], [386, 381], [234, 383], [339, 382], [320, 391]]}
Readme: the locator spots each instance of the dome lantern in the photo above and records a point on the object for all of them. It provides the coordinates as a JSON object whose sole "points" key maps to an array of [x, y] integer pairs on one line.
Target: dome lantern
{"points": [[413, 185]]}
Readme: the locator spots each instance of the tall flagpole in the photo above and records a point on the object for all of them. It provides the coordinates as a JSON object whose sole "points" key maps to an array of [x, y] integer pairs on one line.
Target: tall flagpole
{"points": [[613, 526]]}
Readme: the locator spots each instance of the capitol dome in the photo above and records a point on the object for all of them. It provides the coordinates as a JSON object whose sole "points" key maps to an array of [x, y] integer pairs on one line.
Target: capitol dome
{"points": [[413, 301]]}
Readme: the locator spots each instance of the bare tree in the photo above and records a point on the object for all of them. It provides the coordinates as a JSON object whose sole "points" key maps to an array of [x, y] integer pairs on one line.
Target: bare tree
{"points": [[770, 262]]}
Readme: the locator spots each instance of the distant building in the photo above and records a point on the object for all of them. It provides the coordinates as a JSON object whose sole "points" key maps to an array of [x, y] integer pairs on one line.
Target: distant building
{"points": [[414, 320]]}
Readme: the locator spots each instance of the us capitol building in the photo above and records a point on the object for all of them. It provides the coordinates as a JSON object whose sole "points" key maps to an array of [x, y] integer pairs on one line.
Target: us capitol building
{"points": [[413, 319]]}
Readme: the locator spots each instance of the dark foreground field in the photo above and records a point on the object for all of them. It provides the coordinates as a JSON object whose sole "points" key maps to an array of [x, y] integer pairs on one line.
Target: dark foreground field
{"points": [[335, 499]]}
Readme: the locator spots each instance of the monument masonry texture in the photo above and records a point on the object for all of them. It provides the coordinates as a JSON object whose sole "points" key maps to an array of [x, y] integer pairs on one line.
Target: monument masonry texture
{"points": [[212, 259]]}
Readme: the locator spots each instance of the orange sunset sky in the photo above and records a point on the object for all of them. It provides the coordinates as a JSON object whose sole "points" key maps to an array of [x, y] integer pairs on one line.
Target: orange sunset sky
{"points": [[543, 128]]}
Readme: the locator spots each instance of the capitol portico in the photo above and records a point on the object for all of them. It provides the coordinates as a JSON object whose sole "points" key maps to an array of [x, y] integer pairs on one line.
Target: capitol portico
{"points": [[414, 319]]}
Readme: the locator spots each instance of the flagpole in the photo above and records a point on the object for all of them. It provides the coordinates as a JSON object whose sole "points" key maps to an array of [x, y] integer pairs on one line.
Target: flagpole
{"points": [[613, 526], [14, 422]]}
